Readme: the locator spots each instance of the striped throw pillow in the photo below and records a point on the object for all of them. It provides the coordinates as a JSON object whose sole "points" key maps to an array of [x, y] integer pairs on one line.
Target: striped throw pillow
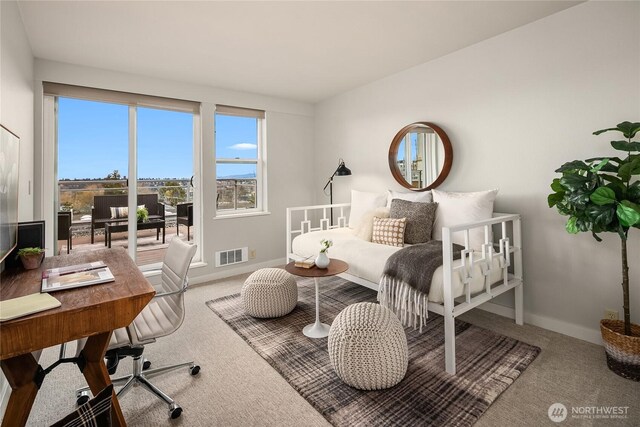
{"points": [[389, 231], [123, 212], [117, 213]]}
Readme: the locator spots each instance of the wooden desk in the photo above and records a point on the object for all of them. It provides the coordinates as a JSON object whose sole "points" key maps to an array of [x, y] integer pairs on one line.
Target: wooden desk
{"points": [[93, 311]]}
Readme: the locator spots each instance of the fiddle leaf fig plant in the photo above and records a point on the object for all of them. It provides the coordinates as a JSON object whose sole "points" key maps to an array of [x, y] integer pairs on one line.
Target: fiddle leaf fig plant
{"points": [[602, 194]]}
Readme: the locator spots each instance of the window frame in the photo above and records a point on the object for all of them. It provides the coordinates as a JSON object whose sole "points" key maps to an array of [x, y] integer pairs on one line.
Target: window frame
{"points": [[260, 161], [51, 92]]}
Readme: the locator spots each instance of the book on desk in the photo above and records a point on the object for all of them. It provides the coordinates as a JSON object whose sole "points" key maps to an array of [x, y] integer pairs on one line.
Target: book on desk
{"points": [[28, 304], [308, 262], [55, 279]]}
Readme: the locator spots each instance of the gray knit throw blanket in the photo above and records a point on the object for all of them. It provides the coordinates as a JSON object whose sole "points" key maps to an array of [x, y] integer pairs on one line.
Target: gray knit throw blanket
{"points": [[406, 280]]}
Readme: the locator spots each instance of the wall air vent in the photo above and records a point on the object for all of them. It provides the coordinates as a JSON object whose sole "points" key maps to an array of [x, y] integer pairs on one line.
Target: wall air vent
{"points": [[232, 256]]}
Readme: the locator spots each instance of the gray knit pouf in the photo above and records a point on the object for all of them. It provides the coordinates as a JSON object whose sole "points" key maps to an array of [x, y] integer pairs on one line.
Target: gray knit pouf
{"points": [[368, 347], [269, 292]]}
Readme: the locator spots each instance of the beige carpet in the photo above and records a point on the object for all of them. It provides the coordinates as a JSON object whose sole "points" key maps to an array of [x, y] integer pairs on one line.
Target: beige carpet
{"points": [[487, 363], [238, 388]]}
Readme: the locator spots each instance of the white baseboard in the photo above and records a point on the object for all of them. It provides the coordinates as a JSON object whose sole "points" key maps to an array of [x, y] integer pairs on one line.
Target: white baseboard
{"points": [[498, 309], [228, 272], [544, 322]]}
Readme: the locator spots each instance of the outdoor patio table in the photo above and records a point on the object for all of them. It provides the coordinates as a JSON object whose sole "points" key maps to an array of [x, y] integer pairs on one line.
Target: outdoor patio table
{"points": [[118, 227]]}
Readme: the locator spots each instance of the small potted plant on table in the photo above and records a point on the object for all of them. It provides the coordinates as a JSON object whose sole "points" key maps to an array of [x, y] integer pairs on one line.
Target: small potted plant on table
{"points": [[600, 195], [31, 257], [142, 214]]}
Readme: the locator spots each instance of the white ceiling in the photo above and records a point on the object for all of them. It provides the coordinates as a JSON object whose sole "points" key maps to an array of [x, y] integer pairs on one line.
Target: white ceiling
{"points": [[305, 51]]}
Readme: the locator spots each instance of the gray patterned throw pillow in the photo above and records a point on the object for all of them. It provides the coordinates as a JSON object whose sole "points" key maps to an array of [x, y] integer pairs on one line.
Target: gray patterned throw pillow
{"points": [[420, 218]]}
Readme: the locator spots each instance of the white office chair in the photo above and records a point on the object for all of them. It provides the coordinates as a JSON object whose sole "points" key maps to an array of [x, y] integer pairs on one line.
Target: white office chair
{"points": [[161, 317]]}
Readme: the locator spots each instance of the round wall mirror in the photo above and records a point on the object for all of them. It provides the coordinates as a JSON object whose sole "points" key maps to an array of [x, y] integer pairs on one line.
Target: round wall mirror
{"points": [[420, 156]]}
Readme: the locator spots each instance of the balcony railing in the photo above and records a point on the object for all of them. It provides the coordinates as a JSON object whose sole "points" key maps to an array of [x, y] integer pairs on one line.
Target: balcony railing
{"points": [[236, 194], [77, 195]]}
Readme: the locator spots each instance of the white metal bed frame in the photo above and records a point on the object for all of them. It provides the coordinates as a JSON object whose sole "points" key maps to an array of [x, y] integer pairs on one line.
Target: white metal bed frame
{"points": [[508, 255]]}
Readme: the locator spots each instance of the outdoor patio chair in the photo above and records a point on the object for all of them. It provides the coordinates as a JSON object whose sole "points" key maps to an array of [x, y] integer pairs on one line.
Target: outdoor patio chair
{"points": [[184, 212], [64, 228]]}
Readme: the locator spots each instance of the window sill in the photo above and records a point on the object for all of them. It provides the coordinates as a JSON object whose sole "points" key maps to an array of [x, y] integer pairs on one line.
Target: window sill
{"points": [[241, 215]]}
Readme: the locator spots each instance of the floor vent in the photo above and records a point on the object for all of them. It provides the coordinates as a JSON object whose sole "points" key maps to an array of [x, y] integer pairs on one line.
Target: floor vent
{"points": [[232, 256]]}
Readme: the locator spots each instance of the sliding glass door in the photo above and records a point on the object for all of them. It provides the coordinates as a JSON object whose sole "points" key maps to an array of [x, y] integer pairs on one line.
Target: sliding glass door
{"points": [[93, 159], [165, 171], [92, 153], [99, 145]]}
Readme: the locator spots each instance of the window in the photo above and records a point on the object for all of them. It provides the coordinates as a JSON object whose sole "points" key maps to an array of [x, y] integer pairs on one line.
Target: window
{"points": [[240, 162]]}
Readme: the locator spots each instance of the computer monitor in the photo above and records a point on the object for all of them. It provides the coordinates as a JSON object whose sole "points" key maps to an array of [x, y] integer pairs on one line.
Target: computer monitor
{"points": [[30, 235]]}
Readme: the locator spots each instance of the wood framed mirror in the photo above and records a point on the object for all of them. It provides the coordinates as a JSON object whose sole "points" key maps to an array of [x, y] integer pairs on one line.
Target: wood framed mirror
{"points": [[420, 156]]}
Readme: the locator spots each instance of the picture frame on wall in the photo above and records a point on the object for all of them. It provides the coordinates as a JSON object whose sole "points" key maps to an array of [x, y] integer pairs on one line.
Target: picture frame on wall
{"points": [[9, 162]]}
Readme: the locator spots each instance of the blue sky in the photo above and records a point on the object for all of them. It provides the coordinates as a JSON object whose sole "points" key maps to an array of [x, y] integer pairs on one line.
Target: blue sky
{"points": [[93, 141], [92, 138], [414, 148], [236, 138]]}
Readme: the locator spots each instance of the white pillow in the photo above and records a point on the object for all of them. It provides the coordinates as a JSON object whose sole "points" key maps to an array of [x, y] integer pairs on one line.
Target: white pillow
{"points": [[364, 230], [417, 196], [460, 208], [362, 202]]}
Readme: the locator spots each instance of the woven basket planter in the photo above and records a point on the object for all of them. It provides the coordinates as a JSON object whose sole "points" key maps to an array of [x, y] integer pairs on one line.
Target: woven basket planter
{"points": [[623, 351]]}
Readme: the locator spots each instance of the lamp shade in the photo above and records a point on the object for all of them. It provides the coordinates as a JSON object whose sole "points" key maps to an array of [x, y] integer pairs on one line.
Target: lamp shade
{"points": [[343, 170]]}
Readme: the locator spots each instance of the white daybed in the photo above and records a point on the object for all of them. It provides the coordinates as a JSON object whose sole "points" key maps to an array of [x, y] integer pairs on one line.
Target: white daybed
{"points": [[456, 287]]}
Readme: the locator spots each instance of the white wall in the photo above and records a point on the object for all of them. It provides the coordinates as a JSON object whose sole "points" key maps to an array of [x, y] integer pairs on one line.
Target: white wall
{"points": [[515, 107], [16, 113], [16, 97], [290, 132]]}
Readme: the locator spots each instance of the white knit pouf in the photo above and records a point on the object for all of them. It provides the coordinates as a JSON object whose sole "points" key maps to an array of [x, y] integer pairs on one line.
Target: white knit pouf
{"points": [[368, 347], [269, 292]]}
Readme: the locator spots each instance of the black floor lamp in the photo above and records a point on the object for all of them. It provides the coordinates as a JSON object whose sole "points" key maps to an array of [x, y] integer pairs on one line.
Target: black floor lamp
{"points": [[341, 170]]}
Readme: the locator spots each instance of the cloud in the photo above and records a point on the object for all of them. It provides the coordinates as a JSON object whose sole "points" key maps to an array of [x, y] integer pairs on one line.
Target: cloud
{"points": [[244, 146]]}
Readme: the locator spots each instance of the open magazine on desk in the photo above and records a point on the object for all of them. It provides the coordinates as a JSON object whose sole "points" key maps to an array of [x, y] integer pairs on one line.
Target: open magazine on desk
{"points": [[75, 276]]}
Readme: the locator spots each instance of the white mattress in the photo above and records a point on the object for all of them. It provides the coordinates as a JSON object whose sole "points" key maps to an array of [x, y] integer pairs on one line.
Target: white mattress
{"points": [[366, 260]]}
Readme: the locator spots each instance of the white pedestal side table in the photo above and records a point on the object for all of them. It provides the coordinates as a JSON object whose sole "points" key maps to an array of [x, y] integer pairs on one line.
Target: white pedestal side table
{"points": [[336, 266]]}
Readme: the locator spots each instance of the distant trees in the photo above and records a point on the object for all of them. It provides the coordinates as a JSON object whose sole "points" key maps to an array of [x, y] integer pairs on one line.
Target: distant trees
{"points": [[116, 187], [80, 201], [79, 196], [172, 192], [114, 175]]}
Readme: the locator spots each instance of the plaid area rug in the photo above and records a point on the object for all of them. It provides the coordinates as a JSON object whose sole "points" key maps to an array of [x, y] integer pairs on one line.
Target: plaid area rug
{"points": [[487, 363]]}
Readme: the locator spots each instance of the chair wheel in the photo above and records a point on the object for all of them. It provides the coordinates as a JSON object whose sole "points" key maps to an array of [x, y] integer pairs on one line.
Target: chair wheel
{"points": [[81, 400], [194, 370], [146, 365], [175, 411]]}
